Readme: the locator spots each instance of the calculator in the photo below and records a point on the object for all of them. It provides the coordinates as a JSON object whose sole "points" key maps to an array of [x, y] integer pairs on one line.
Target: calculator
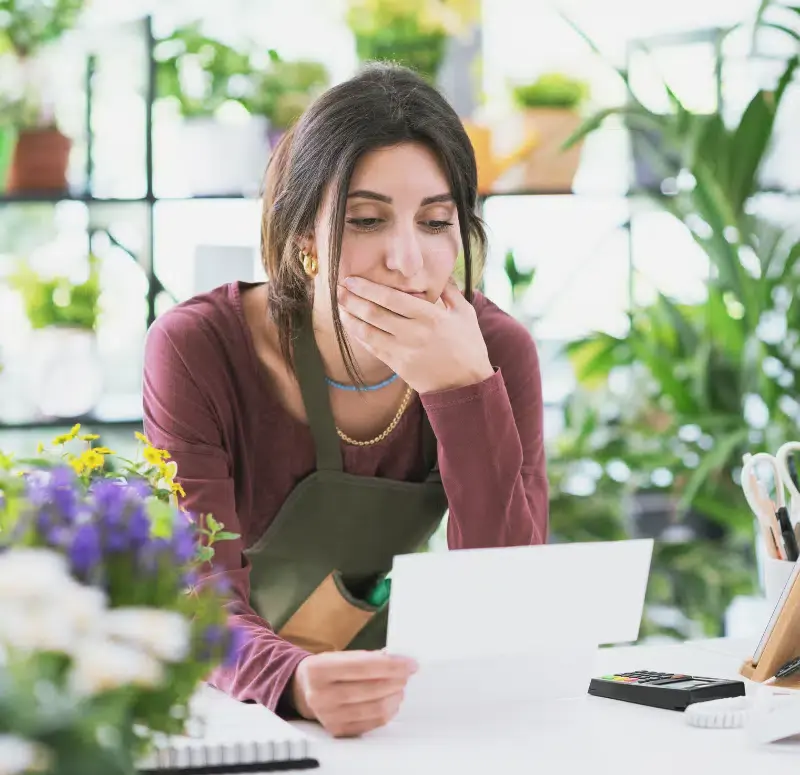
{"points": [[671, 691]]}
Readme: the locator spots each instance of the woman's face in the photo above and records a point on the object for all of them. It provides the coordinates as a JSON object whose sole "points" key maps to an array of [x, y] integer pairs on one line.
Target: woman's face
{"points": [[401, 225]]}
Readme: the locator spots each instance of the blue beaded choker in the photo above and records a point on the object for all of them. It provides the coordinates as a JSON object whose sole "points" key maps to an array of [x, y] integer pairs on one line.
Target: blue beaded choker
{"points": [[342, 386]]}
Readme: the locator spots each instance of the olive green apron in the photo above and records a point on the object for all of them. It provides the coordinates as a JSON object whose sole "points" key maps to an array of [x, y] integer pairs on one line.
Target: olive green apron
{"points": [[337, 533]]}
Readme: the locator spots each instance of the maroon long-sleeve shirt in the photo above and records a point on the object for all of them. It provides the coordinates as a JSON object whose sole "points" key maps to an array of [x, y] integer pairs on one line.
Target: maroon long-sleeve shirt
{"points": [[208, 401]]}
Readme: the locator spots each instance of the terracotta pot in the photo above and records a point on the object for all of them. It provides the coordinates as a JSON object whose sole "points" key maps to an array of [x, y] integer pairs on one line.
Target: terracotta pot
{"points": [[40, 161], [548, 167]]}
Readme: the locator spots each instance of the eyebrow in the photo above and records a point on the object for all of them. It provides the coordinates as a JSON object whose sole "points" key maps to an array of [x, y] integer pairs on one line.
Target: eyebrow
{"points": [[428, 200]]}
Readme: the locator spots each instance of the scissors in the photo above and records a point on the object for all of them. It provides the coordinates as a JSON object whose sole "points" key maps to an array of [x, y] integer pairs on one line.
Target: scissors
{"points": [[773, 516]]}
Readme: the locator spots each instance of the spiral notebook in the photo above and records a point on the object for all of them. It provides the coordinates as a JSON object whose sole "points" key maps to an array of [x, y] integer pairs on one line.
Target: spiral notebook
{"points": [[226, 736]]}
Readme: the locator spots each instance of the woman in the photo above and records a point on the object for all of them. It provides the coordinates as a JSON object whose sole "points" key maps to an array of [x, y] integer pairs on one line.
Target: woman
{"points": [[332, 414]]}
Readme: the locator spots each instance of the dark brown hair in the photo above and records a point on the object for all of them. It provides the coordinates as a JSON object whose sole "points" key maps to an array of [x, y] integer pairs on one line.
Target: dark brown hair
{"points": [[383, 105]]}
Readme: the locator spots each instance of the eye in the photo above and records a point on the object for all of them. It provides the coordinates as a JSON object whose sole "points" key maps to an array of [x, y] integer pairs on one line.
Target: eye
{"points": [[438, 226], [365, 224]]}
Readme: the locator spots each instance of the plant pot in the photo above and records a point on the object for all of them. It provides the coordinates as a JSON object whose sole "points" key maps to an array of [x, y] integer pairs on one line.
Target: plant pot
{"points": [[203, 156], [548, 167], [39, 162], [8, 140], [65, 371]]}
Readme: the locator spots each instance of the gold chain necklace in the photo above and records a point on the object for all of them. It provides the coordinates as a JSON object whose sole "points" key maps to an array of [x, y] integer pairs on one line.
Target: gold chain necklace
{"points": [[392, 425]]}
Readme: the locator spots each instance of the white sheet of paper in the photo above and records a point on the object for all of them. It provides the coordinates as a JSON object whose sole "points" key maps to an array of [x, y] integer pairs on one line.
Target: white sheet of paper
{"points": [[495, 627]]}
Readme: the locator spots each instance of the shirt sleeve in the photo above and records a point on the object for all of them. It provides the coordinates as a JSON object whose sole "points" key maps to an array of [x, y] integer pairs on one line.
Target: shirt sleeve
{"points": [[181, 418], [491, 448]]}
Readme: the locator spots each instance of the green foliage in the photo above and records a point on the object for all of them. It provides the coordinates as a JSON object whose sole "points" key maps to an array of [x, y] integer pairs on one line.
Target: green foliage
{"points": [[406, 43], [198, 71], [57, 301], [284, 90], [202, 74], [552, 90], [520, 281], [28, 25], [61, 727], [680, 423]]}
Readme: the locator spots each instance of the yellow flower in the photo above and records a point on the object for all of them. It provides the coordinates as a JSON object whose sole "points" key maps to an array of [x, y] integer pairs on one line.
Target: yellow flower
{"points": [[89, 437], [65, 437], [77, 464], [91, 458], [103, 451], [155, 456], [39, 448], [178, 490], [169, 471], [142, 438]]}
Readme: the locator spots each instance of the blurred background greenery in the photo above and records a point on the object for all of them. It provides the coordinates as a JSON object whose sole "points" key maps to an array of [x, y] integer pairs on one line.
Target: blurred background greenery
{"points": [[639, 179]]}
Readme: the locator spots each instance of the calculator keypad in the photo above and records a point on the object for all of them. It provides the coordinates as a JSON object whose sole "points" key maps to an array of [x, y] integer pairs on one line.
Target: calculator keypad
{"points": [[646, 677]]}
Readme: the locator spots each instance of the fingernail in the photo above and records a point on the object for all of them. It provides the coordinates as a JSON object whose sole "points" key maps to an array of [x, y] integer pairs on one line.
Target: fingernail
{"points": [[348, 282]]}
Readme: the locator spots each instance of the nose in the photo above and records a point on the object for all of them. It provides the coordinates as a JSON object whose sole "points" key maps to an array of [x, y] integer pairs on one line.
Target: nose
{"points": [[403, 253]]}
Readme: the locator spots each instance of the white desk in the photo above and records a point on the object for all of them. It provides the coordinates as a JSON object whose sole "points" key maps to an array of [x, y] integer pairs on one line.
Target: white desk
{"points": [[583, 735]]}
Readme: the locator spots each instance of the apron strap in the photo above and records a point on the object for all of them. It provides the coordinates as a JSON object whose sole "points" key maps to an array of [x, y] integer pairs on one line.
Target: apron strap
{"points": [[311, 375], [429, 450]]}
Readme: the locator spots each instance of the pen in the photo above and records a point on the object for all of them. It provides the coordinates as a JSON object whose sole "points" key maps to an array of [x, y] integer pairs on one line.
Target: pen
{"points": [[787, 533], [792, 666]]}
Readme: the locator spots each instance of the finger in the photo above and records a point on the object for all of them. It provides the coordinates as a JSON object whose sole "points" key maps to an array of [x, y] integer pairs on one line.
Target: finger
{"points": [[357, 692], [374, 339], [452, 296], [370, 312], [363, 665], [363, 719], [397, 301]]}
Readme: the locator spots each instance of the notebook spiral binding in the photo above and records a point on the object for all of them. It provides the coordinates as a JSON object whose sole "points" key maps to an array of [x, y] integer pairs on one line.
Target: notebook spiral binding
{"points": [[197, 757]]}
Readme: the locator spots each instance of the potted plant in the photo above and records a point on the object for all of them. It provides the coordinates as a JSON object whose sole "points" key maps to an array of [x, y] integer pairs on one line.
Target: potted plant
{"points": [[283, 89], [41, 155], [108, 631], [64, 369], [550, 108], [205, 141], [234, 104], [413, 33], [695, 371]]}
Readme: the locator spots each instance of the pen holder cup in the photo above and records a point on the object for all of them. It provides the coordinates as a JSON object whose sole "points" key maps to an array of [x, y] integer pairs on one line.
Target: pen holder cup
{"points": [[776, 574]]}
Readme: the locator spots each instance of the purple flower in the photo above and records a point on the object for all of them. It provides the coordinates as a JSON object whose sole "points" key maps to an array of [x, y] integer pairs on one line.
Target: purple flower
{"points": [[138, 526], [85, 552], [190, 579], [237, 637], [184, 544], [151, 553], [53, 497], [112, 503]]}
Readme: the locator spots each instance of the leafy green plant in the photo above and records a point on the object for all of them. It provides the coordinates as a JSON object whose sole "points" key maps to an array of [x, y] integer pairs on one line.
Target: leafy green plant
{"points": [[199, 72], [58, 301], [202, 74], [552, 90], [694, 372], [413, 33], [520, 280], [285, 89], [30, 25]]}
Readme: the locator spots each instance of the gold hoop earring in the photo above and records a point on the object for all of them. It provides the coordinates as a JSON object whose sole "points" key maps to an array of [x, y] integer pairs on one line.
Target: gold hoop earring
{"points": [[310, 264]]}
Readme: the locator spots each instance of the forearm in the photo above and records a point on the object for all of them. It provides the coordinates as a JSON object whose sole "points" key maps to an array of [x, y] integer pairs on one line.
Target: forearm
{"points": [[497, 493], [264, 668]]}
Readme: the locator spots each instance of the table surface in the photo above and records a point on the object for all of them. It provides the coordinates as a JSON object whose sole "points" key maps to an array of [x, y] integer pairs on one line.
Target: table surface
{"points": [[576, 735]]}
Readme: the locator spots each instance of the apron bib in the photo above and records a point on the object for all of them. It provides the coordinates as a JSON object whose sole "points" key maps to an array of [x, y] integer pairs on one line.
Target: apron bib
{"points": [[337, 534]]}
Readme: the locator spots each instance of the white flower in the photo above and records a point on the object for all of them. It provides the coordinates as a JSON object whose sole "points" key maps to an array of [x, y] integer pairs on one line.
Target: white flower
{"points": [[164, 634], [32, 573], [102, 665], [36, 628], [57, 624], [18, 755]]}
